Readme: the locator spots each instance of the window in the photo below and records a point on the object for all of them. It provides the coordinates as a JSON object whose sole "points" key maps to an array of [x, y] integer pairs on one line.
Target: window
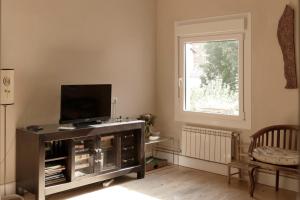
{"points": [[213, 72]]}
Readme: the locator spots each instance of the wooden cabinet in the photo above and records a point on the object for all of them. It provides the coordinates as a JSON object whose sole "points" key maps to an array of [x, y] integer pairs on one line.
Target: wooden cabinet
{"points": [[52, 160]]}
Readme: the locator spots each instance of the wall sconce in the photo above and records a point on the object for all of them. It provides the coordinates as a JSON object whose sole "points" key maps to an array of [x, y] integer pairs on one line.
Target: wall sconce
{"points": [[7, 86]]}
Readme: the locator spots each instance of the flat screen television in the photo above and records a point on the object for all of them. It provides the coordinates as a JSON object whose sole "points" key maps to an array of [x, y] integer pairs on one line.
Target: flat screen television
{"points": [[85, 103]]}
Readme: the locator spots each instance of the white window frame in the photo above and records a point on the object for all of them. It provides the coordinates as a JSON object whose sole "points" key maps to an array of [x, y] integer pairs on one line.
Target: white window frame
{"points": [[236, 27]]}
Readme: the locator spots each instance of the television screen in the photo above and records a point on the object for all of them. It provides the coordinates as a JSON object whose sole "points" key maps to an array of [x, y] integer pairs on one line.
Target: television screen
{"points": [[85, 103]]}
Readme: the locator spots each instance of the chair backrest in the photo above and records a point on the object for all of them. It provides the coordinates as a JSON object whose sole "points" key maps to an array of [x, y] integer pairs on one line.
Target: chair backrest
{"points": [[281, 136]]}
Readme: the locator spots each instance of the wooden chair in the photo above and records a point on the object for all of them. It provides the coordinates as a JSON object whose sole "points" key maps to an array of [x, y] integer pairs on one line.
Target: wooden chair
{"points": [[280, 136]]}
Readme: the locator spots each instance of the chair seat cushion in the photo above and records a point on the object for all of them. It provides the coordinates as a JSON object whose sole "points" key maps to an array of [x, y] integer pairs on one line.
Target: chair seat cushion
{"points": [[277, 156]]}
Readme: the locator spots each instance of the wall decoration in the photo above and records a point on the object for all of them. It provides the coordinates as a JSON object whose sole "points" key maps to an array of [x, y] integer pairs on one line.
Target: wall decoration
{"points": [[286, 34]]}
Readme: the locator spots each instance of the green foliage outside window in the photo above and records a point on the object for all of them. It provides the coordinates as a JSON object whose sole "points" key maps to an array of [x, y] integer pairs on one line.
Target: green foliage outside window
{"points": [[218, 92], [222, 62]]}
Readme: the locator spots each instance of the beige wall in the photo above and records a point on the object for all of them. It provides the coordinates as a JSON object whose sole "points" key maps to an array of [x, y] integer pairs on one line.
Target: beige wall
{"points": [[54, 42], [271, 103]]}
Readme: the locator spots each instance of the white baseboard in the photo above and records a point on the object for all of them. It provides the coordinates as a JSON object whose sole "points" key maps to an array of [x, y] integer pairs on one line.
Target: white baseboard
{"points": [[263, 178], [284, 182], [10, 189]]}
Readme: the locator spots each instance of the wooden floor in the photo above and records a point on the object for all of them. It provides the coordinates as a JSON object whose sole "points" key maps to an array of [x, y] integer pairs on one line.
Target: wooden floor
{"points": [[175, 183]]}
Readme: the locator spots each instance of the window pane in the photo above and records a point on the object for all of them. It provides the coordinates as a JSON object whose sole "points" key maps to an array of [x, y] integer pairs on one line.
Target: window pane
{"points": [[211, 77]]}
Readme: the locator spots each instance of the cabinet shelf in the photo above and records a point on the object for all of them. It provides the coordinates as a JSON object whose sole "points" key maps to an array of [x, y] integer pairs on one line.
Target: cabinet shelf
{"points": [[56, 159]]}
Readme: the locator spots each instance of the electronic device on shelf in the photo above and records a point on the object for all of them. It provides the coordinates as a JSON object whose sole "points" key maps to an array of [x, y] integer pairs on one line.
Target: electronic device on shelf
{"points": [[34, 128], [83, 105]]}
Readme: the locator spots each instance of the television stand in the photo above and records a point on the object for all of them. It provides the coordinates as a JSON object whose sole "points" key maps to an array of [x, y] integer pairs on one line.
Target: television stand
{"points": [[53, 160]]}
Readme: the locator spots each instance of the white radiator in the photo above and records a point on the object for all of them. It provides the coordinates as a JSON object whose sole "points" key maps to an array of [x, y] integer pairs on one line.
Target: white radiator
{"points": [[208, 144]]}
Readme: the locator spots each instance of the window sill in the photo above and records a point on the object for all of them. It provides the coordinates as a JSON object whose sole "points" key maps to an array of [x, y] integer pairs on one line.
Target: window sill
{"points": [[214, 120]]}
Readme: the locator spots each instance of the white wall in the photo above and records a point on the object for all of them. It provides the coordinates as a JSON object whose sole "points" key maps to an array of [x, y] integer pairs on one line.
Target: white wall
{"points": [[271, 102], [53, 42]]}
